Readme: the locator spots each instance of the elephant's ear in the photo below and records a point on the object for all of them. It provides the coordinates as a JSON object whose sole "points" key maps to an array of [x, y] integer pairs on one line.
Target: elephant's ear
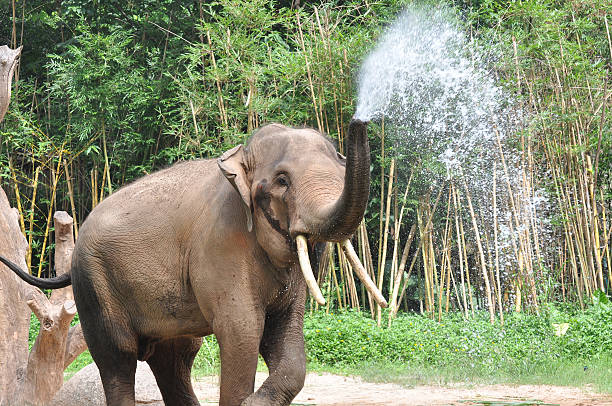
{"points": [[231, 164]]}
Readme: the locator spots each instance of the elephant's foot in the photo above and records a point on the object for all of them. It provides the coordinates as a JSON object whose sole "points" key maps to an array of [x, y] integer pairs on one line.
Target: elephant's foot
{"points": [[257, 399], [279, 389]]}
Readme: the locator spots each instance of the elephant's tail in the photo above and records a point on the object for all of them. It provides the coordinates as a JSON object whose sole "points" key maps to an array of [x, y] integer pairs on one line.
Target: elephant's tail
{"points": [[43, 283]]}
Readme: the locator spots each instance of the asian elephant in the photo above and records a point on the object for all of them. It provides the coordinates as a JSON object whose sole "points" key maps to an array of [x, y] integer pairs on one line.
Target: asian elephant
{"points": [[215, 247]]}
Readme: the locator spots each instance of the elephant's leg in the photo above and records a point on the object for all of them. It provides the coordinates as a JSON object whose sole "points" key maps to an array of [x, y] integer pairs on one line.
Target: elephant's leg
{"points": [[114, 351], [117, 372], [282, 347], [111, 341], [239, 340], [171, 364]]}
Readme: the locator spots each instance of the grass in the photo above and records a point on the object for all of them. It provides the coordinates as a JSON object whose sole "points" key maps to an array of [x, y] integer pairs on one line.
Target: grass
{"points": [[598, 374], [419, 351]]}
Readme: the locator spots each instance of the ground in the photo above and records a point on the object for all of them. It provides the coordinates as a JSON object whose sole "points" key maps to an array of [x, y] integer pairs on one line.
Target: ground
{"points": [[325, 389], [328, 390]]}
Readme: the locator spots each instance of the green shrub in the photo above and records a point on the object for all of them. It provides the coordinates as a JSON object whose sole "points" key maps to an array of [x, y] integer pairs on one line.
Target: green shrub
{"points": [[523, 343]]}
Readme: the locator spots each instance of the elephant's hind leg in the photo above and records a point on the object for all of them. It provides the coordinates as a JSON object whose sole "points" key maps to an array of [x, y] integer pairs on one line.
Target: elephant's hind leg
{"points": [[112, 343], [117, 373], [171, 364], [114, 351]]}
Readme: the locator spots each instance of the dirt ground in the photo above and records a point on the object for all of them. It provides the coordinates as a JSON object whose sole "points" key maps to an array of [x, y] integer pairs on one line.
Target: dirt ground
{"points": [[328, 390]]}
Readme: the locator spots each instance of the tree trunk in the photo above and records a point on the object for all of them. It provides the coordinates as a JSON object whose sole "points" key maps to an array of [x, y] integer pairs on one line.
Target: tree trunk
{"points": [[14, 312], [32, 380], [8, 61]]}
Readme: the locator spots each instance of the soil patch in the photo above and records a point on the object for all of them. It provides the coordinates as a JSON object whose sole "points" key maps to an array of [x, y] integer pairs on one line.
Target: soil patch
{"points": [[328, 390]]}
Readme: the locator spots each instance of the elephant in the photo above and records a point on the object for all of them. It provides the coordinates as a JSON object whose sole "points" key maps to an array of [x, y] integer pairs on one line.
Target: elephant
{"points": [[216, 247]]}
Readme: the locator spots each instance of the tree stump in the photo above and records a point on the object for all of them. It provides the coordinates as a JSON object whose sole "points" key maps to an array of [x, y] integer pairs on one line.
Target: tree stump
{"points": [[57, 345], [34, 379]]}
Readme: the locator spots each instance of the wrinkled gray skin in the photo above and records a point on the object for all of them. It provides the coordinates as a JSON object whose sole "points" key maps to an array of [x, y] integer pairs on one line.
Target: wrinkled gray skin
{"points": [[170, 258]]}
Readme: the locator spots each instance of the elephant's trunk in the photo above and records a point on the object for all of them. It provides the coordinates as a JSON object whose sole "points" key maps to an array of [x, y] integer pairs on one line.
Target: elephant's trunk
{"points": [[341, 219]]}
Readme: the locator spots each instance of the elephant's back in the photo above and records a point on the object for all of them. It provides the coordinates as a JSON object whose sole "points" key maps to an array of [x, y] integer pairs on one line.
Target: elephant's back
{"points": [[142, 222], [163, 194]]}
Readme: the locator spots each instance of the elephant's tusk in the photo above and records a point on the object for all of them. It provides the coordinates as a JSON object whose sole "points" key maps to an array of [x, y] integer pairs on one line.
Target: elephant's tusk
{"points": [[358, 268], [302, 249]]}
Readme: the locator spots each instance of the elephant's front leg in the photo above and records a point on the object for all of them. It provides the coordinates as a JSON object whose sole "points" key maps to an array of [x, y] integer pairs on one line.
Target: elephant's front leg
{"points": [[239, 340], [282, 347]]}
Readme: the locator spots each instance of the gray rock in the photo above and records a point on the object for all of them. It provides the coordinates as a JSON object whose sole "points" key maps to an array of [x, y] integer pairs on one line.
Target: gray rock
{"points": [[85, 388]]}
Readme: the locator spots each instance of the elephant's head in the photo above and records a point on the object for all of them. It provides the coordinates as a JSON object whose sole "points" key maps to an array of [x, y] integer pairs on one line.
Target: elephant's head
{"points": [[297, 188]]}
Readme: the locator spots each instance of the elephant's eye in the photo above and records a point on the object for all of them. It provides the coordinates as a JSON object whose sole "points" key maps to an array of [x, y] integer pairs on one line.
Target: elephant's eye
{"points": [[282, 180]]}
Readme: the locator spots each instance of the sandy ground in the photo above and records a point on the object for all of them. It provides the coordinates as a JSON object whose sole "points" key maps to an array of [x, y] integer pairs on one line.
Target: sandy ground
{"points": [[327, 390]]}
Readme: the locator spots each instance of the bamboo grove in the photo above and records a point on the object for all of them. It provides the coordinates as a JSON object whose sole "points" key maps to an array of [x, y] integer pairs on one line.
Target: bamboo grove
{"points": [[103, 98]]}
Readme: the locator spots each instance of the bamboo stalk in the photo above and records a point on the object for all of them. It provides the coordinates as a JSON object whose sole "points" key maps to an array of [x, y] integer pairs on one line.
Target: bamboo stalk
{"points": [[496, 242], [426, 256], [398, 277], [395, 279], [606, 240], [445, 264], [50, 212], [343, 285], [485, 277], [514, 211], [330, 276], [104, 172], [381, 269], [450, 270], [366, 259], [17, 197], [220, 102], [428, 225], [31, 219], [309, 75], [382, 192], [459, 248], [335, 281], [94, 187], [465, 256], [106, 162], [71, 196]]}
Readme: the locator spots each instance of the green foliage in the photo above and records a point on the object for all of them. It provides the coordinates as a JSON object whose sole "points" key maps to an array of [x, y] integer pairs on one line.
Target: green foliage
{"points": [[562, 57], [523, 344]]}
